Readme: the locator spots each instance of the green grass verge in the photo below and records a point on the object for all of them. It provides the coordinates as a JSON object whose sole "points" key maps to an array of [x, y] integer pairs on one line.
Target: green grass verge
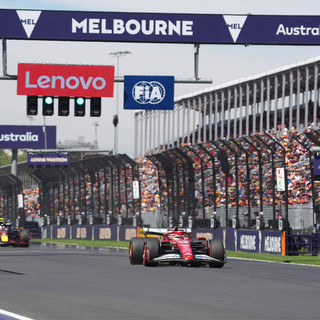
{"points": [[86, 243], [303, 259]]}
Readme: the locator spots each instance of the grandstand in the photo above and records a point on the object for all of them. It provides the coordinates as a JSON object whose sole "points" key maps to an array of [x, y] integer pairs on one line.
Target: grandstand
{"points": [[282, 99], [211, 162]]}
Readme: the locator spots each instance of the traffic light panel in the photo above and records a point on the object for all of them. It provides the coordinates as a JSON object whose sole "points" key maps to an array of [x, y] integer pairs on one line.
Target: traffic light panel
{"points": [[63, 107], [95, 107], [79, 107], [47, 106], [32, 105]]}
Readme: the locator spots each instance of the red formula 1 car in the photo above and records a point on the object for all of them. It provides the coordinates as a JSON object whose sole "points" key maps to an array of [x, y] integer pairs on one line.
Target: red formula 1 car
{"points": [[176, 247]]}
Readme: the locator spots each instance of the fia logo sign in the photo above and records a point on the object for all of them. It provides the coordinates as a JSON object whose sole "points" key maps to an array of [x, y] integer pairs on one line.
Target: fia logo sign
{"points": [[235, 25], [149, 92], [152, 92], [28, 20]]}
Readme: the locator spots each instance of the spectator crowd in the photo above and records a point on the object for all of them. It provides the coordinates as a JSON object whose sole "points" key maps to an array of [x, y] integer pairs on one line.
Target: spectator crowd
{"points": [[251, 166]]}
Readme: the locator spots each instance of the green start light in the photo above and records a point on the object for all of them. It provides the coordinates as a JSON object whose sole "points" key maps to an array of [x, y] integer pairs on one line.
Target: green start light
{"points": [[48, 100], [80, 101]]}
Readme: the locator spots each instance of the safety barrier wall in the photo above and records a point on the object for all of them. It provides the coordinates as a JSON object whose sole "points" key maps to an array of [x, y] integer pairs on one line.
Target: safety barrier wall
{"points": [[252, 241], [89, 232], [246, 240]]}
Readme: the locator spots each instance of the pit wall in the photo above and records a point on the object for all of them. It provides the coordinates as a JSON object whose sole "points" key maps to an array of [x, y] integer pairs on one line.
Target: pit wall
{"points": [[271, 242]]}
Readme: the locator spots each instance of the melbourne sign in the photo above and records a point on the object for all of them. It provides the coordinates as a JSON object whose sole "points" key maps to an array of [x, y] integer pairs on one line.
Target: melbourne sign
{"points": [[29, 137], [48, 159], [149, 92], [159, 27], [65, 80]]}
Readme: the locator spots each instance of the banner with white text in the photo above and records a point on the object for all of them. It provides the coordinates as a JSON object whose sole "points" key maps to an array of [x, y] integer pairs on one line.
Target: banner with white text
{"points": [[159, 27]]}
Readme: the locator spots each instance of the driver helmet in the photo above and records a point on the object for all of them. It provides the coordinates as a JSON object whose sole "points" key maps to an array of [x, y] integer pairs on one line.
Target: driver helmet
{"points": [[176, 236]]}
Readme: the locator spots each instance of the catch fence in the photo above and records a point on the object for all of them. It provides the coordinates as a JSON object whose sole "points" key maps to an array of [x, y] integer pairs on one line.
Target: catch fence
{"points": [[224, 183]]}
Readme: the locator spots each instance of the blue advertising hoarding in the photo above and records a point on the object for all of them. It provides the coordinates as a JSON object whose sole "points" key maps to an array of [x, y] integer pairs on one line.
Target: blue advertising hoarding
{"points": [[28, 137], [48, 159], [159, 27], [316, 167], [149, 92]]}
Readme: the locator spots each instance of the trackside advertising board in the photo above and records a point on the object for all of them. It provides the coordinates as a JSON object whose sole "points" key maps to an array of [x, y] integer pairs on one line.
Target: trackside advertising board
{"points": [[159, 27], [29, 137], [149, 92], [316, 167], [65, 80], [281, 180], [48, 159]]}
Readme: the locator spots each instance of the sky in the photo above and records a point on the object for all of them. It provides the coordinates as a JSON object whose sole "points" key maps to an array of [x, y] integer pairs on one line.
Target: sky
{"points": [[220, 63]]}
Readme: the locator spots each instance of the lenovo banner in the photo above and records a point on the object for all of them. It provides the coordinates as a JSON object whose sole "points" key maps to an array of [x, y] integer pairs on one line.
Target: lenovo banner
{"points": [[29, 137], [65, 80]]}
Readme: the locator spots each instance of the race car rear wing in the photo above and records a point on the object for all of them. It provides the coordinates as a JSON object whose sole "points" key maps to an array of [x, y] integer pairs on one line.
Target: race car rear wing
{"points": [[158, 232]]}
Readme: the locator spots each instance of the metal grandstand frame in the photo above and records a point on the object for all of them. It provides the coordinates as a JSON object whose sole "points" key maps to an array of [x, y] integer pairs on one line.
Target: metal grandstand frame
{"points": [[273, 101], [10, 187], [55, 183]]}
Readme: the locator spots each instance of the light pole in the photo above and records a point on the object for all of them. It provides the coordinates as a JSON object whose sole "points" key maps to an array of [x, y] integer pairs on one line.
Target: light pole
{"points": [[31, 118], [117, 54], [96, 125]]}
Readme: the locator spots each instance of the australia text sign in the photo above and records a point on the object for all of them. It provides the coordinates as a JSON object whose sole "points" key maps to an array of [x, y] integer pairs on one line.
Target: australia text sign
{"points": [[48, 159], [65, 80], [30, 137], [159, 27], [149, 92]]}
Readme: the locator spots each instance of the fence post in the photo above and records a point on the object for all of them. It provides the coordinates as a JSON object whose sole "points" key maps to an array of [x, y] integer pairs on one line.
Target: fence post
{"points": [[314, 244]]}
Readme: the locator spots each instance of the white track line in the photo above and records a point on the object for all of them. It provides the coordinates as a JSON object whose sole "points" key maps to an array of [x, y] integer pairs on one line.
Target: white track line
{"points": [[13, 315]]}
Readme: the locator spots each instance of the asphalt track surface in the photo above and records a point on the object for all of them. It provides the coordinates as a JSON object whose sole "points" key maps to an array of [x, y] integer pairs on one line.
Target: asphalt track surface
{"points": [[52, 282]]}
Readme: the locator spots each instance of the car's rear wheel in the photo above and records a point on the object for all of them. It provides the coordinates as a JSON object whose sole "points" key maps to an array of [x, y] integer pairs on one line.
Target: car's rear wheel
{"points": [[136, 250], [24, 238], [151, 251], [216, 251]]}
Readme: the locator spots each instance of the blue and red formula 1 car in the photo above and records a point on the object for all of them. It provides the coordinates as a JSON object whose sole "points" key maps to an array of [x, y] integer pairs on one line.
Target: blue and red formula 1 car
{"points": [[176, 247], [10, 236]]}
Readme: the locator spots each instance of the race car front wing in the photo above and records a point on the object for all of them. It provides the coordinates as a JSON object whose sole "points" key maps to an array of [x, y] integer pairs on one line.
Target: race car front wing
{"points": [[174, 257]]}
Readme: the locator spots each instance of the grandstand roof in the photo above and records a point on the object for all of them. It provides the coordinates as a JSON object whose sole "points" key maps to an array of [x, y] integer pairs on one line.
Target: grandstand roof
{"points": [[271, 74], [75, 155]]}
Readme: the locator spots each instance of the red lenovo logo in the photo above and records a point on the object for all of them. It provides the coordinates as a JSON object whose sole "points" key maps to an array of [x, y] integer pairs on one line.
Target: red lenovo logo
{"points": [[65, 80]]}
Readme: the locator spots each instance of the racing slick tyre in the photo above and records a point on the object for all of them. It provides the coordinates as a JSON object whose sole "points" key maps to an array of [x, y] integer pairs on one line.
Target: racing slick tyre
{"points": [[151, 251], [24, 238], [216, 250], [136, 250]]}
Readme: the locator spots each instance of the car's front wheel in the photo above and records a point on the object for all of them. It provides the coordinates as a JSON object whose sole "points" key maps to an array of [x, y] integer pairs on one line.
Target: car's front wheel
{"points": [[216, 251], [24, 238]]}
